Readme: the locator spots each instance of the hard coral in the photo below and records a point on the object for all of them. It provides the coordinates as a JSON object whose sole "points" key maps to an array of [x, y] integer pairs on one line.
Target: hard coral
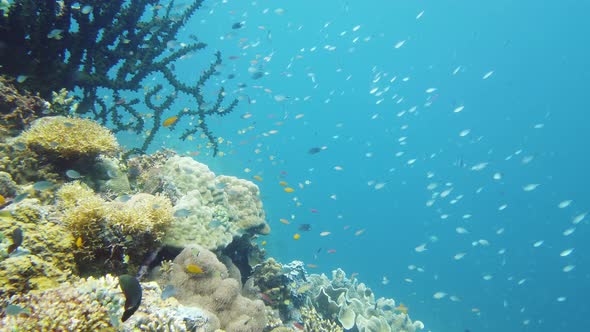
{"points": [[354, 306], [142, 213], [220, 208], [109, 230], [91, 305], [313, 322], [69, 138], [215, 292], [17, 109], [44, 258]]}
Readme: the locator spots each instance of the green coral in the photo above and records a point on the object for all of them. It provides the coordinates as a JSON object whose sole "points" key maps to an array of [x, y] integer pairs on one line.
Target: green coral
{"points": [[69, 138]]}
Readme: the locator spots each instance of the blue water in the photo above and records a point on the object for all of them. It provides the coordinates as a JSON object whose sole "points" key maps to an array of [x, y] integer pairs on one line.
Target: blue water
{"points": [[528, 121]]}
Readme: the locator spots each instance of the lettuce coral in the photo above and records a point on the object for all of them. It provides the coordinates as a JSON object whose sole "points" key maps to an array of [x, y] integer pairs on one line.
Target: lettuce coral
{"points": [[69, 138], [354, 306]]}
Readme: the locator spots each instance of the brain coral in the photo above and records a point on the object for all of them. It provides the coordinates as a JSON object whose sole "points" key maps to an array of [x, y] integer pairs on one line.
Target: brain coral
{"points": [[210, 210], [69, 138], [214, 291]]}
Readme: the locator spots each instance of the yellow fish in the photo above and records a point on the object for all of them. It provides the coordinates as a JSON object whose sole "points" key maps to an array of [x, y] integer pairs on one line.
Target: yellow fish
{"points": [[170, 121], [263, 243], [296, 236], [79, 242], [401, 308], [194, 269], [2, 200], [257, 178], [283, 183], [289, 190]]}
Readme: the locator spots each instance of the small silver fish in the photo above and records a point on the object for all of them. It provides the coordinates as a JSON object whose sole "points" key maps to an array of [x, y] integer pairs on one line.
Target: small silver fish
{"points": [[72, 174], [43, 185], [182, 213]]}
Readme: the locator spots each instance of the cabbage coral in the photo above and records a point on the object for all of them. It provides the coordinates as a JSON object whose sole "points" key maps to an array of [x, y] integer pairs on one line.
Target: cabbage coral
{"points": [[69, 138]]}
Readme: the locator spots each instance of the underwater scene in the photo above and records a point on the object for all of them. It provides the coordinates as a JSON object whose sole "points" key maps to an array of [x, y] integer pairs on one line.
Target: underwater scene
{"points": [[275, 165]]}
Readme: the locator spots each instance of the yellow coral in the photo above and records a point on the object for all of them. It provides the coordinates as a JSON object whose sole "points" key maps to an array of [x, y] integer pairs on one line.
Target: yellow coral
{"points": [[84, 211], [69, 138], [142, 213], [71, 193], [139, 222], [45, 257]]}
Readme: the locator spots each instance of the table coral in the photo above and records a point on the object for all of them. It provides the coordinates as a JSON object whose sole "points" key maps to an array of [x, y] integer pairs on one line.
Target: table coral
{"points": [[69, 138]]}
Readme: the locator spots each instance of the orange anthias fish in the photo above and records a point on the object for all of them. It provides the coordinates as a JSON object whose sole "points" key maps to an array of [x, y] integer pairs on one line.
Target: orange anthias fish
{"points": [[401, 308], [170, 121]]}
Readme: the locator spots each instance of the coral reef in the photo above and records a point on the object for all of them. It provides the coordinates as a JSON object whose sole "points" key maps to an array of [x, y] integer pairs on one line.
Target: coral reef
{"points": [[284, 287], [213, 290], [155, 314], [18, 110], [23, 164], [93, 305], [354, 307], [313, 322], [211, 211], [45, 257], [69, 138], [7, 185], [111, 230]]}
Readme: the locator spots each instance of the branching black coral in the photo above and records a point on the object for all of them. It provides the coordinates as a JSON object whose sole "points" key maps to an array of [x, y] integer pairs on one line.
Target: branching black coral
{"points": [[113, 45]]}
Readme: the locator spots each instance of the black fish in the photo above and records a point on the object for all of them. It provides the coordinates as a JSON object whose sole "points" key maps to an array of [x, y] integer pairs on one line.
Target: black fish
{"points": [[132, 290], [314, 150], [17, 239], [305, 227], [237, 25]]}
